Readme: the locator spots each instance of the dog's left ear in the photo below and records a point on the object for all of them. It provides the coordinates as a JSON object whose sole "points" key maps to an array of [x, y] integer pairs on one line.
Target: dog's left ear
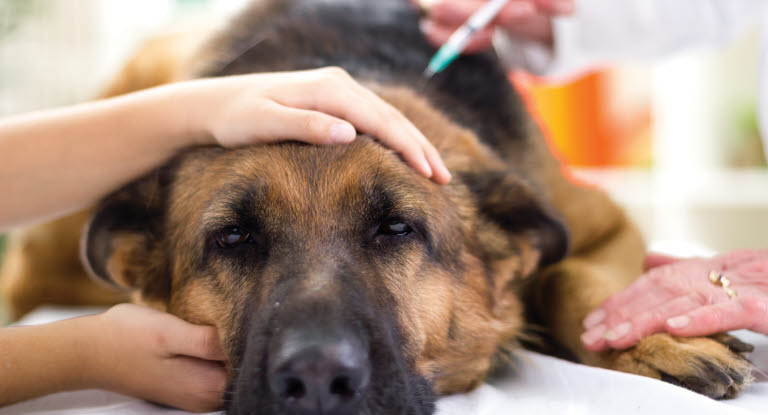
{"points": [[504, 199], [123, 243]]}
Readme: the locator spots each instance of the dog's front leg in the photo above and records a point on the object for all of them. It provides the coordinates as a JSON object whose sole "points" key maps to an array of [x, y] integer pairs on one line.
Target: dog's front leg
{"points": [[562, 295]]}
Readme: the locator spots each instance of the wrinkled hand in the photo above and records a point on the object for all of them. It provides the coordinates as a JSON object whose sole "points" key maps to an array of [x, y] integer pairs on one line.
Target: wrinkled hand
{"points": [[526, 19], [321, 106], [677, 296], [160, 358]]}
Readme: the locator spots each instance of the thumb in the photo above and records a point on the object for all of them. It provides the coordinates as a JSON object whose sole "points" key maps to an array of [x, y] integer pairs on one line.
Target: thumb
{"points": [[312, 127], [195, 341]]}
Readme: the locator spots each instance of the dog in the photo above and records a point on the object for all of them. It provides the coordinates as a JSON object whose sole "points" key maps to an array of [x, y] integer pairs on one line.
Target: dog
{"points": [[342, 282]]}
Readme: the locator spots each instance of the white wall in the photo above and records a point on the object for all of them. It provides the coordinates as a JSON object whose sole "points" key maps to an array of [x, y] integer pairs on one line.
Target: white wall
{"points": [[65, 50]]}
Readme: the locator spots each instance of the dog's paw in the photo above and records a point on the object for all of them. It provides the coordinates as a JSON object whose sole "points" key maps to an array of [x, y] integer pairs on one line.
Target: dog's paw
{"points": [[714, 366]]}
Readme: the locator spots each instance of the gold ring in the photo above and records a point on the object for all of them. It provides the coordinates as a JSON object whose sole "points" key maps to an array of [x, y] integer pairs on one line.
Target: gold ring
{"points": [[426, 4], [720, 280]]}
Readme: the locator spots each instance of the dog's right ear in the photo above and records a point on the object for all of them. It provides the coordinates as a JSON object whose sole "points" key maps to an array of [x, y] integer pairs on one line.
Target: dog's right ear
{"points": [[122, 244], [507, 200]]}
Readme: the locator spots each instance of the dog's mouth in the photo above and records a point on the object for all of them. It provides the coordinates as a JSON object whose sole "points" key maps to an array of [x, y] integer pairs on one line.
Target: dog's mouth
{"points": [[319, 364]]}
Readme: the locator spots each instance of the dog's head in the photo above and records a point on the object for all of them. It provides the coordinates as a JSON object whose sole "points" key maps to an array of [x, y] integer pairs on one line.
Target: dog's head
{"points": [[340, 281]]}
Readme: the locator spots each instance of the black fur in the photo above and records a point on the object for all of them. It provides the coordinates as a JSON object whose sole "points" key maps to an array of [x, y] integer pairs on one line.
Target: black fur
{"points": [[513, 206], [379, 41]]}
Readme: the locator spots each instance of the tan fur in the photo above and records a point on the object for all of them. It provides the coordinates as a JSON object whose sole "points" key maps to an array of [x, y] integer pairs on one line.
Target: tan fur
{"points": [[159, 60], [41, 266]]}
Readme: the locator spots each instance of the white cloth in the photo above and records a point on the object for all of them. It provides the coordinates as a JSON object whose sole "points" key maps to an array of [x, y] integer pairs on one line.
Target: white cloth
{"points": [[533, 384], [602, 31]]}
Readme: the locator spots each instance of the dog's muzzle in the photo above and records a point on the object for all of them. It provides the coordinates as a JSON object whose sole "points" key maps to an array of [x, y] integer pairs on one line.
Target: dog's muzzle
{"points": [[318, 370]]}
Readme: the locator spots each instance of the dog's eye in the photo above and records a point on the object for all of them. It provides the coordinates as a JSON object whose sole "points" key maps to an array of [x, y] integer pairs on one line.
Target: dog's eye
{"points": [[396, 227], [233, 236]]}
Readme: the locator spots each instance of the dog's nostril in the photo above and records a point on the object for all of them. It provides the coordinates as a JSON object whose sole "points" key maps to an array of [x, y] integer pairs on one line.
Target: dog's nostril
{"points": [[294, 389], [329, 373], [342, 386]]}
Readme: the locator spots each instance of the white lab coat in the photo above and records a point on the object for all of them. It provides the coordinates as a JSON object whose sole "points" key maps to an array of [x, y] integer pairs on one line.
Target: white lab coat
{"points": [[602, 31]]}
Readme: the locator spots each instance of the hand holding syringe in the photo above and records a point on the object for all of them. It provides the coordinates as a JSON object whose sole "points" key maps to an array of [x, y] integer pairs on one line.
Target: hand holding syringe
{"points": [[526, 19]]}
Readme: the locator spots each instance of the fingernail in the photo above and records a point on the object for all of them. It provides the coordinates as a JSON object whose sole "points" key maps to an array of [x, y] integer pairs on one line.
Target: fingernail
{"points": [[594, 318], [426, 168], [678, 322], [342, 133], [617, 332], [593, 335], [444, 172]]}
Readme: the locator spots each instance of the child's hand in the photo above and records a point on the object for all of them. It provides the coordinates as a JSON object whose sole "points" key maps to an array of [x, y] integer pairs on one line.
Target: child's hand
{"points": [[158, 357], [528, 19], [315, 106], [91, 149]]}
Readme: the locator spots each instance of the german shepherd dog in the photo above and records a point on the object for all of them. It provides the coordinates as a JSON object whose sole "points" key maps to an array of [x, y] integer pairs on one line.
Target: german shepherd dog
{"points": [[342, 282]]}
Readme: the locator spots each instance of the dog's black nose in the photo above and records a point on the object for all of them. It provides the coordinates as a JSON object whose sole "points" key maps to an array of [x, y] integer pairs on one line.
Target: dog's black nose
{"points": [[318, 371]]}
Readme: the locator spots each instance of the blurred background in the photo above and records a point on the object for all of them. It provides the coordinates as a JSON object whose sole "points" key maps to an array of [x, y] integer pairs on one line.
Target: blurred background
{"points": [[675, 141]]}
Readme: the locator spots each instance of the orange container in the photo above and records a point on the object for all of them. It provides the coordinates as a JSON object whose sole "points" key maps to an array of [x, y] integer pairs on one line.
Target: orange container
{"points": [[586, 122]]}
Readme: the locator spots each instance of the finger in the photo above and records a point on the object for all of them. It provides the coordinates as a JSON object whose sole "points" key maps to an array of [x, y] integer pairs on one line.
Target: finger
{"points": [[653, 260], [386, 124], [453, 13], [192, 340], [600, 337], [309, 126], [440, 173], [660, 286], [520, 18], [519, 13], [334, 92], [651, 289], [740, 257], [195, 385], [437, 35], [613, 328], [757, 310], [593, 339], [755, 270], [555, 7], [411, 151], [628, 333], [456, 13], [641, 286], [663, 283], [427, 151], [615, 308], [723, 316]]}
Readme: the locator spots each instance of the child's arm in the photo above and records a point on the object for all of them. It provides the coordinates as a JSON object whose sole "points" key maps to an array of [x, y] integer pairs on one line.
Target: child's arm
{"points": [[58, 161], [129, 349]]}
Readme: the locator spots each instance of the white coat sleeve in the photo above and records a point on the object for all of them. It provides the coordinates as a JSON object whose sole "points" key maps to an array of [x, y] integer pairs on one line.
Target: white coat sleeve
{"points": [[603, 31]]}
